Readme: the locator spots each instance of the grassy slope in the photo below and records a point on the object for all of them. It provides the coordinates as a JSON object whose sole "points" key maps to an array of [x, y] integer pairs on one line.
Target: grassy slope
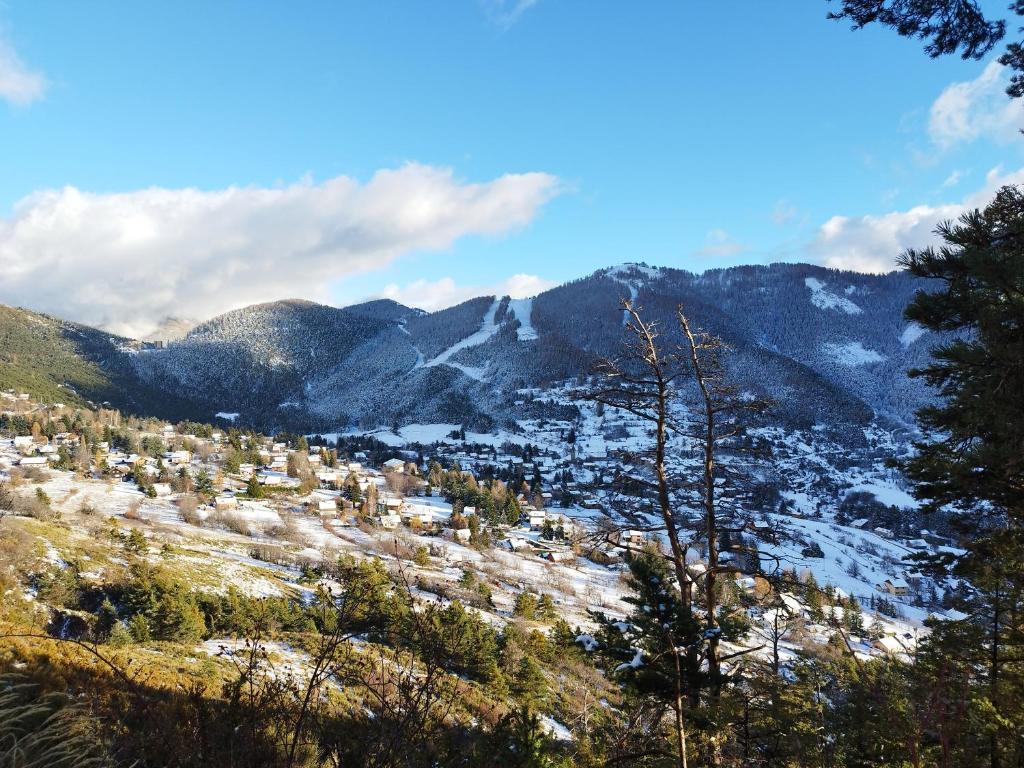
{"points": [[61, 362], [39, 354]]}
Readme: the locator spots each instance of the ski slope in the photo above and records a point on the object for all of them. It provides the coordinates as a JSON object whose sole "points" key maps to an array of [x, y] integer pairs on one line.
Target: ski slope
{"points": [[488, 327], [522, 309]]}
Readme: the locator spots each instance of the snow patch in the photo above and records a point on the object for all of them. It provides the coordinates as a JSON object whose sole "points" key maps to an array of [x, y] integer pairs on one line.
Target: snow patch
{"points": [[823, 299], [910, 334], [888, 493], [555, 729], [523, 309], [853, 353]]}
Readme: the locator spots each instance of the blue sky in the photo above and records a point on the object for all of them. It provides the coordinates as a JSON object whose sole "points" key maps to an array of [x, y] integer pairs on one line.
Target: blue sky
{"points": [[690, 134]]}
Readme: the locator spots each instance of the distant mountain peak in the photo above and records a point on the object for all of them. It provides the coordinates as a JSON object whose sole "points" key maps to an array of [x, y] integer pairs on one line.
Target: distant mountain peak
{"points": [[171, 329]]}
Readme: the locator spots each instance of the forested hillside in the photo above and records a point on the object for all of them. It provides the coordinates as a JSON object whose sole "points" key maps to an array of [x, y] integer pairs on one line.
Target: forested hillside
{"points": [[830, 346]]}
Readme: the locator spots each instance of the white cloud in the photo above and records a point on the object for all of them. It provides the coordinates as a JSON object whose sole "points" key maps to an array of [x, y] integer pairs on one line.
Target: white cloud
{"points": [[505, 13], [872, 243], [18, 84], [127, 261], [953, 179], [719, 243], [975, 109], [784, 212], [438, 294]]}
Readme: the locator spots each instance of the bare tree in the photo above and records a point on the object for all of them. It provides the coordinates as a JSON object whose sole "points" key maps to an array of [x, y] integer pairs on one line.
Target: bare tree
{"points": [[679, 387]]}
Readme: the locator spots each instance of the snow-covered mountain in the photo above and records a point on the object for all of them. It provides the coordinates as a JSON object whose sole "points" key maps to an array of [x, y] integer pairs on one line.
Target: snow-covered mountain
{"points": [[830, 346]]}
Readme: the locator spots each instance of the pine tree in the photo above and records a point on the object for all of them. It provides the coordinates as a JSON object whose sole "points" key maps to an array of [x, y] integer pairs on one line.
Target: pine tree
{"points": [[971, 463], [253, 489]]}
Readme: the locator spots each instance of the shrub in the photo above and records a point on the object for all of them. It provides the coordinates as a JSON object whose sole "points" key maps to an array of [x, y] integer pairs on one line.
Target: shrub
{"points": [[238, 524], [46, 731], [525, 606], [6, 499], [132, 513], [232, 522], [188, 508]]}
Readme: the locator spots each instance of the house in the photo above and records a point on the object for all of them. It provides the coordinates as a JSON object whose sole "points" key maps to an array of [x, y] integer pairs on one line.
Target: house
{"points": [[225, 502], [889, 644], [394, 465], [65, 438], [178, 457], [329, 476], [632, 538], [162, 489], [419, 514], [24, 442], [559, 556], [895, 587], [277, 479], [389, 521], [388, 505], [537, 518]]}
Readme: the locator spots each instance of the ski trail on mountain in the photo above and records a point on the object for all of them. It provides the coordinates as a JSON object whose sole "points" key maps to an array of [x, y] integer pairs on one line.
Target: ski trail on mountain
{"points": [[615, 274], [487, 329], [522, 309]]}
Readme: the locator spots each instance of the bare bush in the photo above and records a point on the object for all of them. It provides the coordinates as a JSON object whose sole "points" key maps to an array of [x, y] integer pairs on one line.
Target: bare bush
{"points": [[188, 508], [232, 522], [134, 509], [31, 474], [271, 553]]}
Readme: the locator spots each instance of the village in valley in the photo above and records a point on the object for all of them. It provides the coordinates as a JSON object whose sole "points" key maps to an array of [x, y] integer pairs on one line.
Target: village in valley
{"points": [[515, 529]]}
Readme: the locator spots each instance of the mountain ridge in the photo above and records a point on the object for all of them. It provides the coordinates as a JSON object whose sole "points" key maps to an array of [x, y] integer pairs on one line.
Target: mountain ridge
{"points": [[830, 345]]}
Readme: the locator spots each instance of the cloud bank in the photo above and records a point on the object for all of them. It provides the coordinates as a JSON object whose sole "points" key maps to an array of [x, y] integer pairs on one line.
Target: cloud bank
{"points": [[872, 243], [126, 261], [18, 84], [438, 294]]}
